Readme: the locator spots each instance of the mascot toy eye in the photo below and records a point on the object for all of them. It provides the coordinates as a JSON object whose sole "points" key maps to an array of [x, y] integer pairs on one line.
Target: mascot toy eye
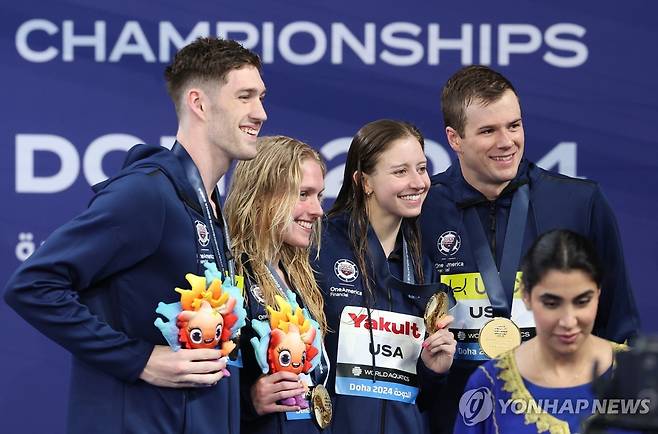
{"points": [[202, 328]]}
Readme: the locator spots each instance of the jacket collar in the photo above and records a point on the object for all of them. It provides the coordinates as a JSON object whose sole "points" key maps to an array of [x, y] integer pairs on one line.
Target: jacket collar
{"points": [[465, 195]]}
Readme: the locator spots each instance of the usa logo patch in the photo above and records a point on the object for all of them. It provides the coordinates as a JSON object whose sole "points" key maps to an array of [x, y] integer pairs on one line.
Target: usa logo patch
{"points": [[202, 233], [449, 243], [346, 270]]}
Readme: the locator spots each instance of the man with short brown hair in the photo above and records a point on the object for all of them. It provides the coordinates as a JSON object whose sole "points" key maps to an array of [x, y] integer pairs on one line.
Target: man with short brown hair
{"points": [[95, 283], [482, 215]]}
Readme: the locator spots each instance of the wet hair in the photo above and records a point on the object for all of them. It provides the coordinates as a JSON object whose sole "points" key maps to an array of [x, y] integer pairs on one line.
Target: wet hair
{"points": [[559, 250], [369, 143], [258, 209], [204, 61], [472, 84]]}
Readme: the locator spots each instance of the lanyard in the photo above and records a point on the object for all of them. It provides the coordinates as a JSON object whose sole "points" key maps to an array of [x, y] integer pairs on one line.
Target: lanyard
{"points": [[384, 278], [407, 271], [194, 178], [500, 285], [380, 262], [280, 284], [415, 292]]}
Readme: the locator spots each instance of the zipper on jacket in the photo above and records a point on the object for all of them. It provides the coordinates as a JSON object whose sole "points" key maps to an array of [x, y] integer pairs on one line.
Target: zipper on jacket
{"points": [[186, 425], [382, 420], [492, 227], [390, 299]]}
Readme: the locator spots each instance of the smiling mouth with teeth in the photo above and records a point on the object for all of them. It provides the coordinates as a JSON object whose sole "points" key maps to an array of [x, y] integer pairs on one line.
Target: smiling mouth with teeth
{"points": [[249, 130], [304, 224], [502, 157], [410, 197]]}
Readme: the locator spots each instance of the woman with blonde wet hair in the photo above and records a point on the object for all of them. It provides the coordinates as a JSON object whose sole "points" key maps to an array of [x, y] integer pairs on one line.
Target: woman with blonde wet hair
{"points": [[273, 213]]}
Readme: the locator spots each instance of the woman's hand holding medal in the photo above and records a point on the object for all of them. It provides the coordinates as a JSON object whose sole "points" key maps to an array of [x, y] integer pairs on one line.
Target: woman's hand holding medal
{"points": [[439, 347]]}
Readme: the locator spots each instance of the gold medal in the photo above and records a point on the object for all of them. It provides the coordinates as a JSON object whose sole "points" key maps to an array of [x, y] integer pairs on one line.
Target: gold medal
{"points": [[320, 403], [498, 336], [436, 308]]}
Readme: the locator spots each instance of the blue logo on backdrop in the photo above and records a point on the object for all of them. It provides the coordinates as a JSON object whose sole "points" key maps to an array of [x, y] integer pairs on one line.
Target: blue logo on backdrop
{"points": [[476, 405]]}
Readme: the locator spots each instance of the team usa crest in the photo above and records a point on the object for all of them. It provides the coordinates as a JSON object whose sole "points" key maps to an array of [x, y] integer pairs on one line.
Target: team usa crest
{"points": [[257, 293], [346, 270], [449, 243], [202, 233]]}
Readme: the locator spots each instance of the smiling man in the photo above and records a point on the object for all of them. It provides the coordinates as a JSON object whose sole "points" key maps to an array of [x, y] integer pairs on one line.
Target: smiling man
{"points": [[94, 285], [482, 215]]}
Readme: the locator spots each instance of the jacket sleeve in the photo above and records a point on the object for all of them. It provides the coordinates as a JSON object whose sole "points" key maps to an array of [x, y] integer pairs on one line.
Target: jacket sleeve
{"points": [[122, 226], [431, 385], [618, 318]]}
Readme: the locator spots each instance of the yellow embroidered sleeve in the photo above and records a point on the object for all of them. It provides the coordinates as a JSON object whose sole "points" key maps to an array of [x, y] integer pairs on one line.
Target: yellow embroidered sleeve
{"points": [[513, 383]]}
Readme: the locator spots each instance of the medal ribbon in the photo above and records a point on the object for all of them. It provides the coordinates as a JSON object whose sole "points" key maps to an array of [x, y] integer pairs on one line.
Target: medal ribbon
{"points": [[407, 271], [380, 262], [384, 278], [383, 273], [500, 285], [194, 178]]}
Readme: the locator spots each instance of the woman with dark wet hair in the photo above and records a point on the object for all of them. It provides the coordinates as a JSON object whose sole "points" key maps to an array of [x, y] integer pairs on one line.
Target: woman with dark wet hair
{"points": [[376, 287]]}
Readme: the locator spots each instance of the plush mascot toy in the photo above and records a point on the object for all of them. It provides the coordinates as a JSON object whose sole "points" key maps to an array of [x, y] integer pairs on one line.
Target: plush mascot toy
{"points": [[289, 341], [208, 315]]}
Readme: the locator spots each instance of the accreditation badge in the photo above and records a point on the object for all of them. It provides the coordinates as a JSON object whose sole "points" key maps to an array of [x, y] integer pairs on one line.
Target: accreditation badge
{"points": [[394, 339], [473, 312], [499, 336], [305, 411]]}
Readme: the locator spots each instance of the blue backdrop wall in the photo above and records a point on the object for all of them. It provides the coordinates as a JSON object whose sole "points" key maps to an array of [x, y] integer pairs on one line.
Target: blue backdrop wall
{"points": [[82, 82]]}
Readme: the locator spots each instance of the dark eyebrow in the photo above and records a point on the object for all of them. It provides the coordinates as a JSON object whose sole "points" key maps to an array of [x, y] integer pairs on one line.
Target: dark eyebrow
{"points": [[252, 91], [553, 297], [587, 293], [493, 127], [550, 297], [404, 165]]}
